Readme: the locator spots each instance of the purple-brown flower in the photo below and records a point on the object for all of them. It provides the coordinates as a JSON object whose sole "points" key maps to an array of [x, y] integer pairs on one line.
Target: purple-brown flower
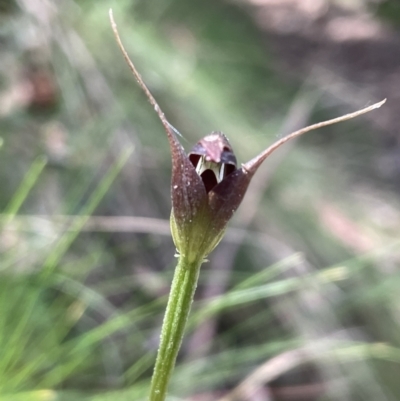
{"points": [[207, 186]]}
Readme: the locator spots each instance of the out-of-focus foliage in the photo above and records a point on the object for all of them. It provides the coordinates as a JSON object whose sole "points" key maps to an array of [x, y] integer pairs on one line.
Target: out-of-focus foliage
{"points": [[305, 285]]}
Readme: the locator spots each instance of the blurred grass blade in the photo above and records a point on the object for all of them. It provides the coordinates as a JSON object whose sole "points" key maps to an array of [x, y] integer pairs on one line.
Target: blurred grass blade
{"points": [[23, 191], [69, 236], [280, 287], [271, 272]]}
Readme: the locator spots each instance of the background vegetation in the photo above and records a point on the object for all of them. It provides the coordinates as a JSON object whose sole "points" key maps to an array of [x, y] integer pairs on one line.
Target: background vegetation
{"points": [[300, 301]]}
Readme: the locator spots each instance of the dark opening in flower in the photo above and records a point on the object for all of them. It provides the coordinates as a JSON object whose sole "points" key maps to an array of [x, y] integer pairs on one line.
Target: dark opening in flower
{"points": [[213, 159]]}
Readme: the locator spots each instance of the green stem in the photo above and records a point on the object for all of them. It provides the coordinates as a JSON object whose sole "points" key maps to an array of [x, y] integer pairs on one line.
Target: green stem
{"points": [[178, 308]]}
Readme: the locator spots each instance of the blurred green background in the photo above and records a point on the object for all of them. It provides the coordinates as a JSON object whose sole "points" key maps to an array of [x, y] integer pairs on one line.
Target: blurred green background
{"points": [[301, 299]]}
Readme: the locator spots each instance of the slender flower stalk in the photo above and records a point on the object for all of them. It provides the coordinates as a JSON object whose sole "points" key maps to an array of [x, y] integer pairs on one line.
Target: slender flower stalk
{"points": [[207, 187], [175, 318]]}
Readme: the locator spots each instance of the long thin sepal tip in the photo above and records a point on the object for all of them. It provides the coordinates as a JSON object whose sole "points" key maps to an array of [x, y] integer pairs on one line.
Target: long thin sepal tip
{"points": [[253, 164]]}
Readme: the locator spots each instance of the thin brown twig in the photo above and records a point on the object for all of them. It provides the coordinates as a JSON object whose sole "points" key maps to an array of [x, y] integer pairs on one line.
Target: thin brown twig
{"points": [[267, 372], [281, 364]]}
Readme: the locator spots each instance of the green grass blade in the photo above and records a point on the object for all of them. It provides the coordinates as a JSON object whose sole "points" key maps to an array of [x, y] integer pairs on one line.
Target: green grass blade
{"points": [[27, 184], [68, 238]]}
